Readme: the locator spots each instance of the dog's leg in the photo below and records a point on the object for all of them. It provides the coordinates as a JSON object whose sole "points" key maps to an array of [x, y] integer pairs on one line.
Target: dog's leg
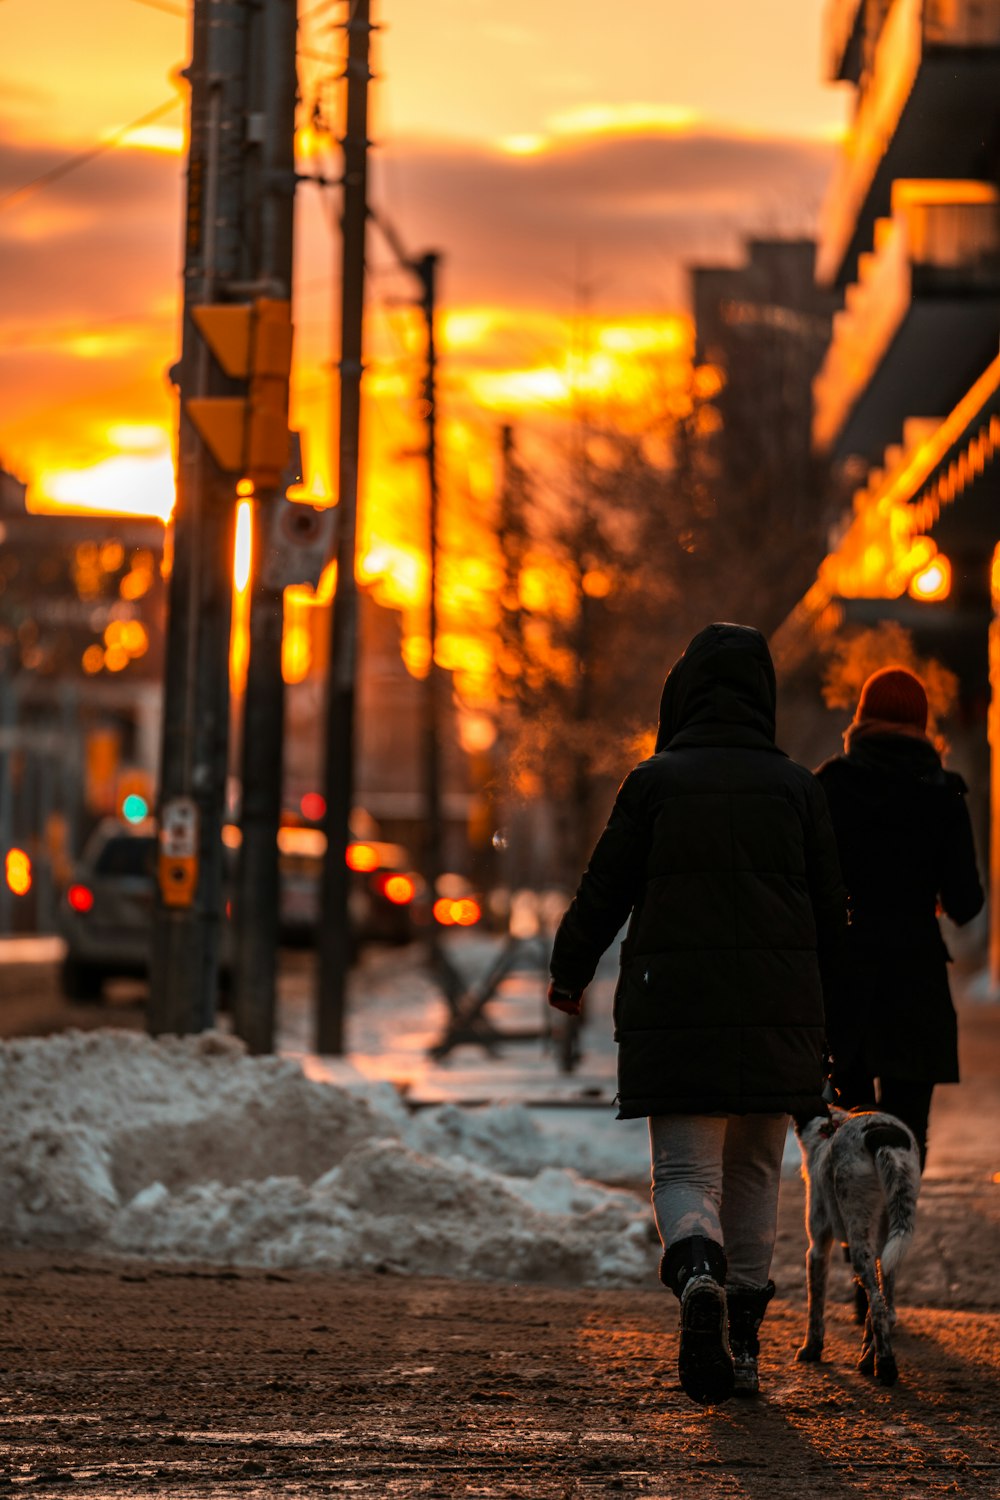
{"points": [[876, 1349], [817, 1264], [887, 1281]]}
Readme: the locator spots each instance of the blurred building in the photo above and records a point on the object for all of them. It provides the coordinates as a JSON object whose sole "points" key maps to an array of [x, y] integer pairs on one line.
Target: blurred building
{"points": [[81, 660], [906, 399], [766, 324], [764, 327]]}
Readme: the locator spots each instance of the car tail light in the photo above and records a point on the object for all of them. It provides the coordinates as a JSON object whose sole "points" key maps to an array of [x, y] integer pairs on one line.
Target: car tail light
{"points": [[80, 897], [399, 889], [461, 913]]}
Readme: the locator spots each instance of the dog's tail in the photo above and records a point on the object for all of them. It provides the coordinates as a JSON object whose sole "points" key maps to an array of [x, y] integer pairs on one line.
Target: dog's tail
{"points": [[898, 1167]]}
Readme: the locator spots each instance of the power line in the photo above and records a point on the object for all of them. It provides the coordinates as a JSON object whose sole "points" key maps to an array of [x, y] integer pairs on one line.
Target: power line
{"points": [[165, 6], [81, 158]]}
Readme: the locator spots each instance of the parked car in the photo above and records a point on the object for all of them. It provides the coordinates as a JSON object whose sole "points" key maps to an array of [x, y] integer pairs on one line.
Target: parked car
{"points": [[383, 897], [105, 913]]}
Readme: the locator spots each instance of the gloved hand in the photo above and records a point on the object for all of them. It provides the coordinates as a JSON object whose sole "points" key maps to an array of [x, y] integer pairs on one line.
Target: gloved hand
{"points": [[570, 1002]]}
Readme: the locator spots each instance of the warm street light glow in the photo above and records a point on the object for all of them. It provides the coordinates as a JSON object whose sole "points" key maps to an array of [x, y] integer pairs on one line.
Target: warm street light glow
{"points": [[362, 857], [596, 584], [239, 639], [296, 653], [243, 550], [18, 872], [933, 582]]}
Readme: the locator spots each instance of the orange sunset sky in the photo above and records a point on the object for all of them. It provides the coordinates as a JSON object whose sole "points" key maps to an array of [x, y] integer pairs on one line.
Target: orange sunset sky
{"points": [[568, 159]]}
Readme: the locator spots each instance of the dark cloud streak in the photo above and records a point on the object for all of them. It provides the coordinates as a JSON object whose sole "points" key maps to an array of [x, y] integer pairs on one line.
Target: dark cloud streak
{"points": [[639, 207]]}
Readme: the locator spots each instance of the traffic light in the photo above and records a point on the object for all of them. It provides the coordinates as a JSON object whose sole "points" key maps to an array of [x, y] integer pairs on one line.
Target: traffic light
{"points": [[247, 434]]}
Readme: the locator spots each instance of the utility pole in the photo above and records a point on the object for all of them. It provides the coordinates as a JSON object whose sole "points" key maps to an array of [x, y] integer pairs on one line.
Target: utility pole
{"points": [[186, 927], [335, 938], [426, 270], [269, 197]]}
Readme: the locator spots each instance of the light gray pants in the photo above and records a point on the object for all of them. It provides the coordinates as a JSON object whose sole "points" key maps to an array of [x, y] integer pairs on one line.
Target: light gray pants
{"points": [[718, 1176]]}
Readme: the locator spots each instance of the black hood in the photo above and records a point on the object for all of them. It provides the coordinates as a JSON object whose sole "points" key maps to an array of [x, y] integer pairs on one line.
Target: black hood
{"points": [[720, 692]]}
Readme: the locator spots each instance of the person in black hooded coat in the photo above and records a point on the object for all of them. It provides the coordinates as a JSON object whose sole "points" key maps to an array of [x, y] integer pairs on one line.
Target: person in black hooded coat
{"points": [[720, 854], [906, 848]]}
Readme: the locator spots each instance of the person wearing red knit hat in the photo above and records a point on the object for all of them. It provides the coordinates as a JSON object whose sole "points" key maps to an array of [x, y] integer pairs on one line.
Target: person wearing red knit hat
{"points": [[895, 698], [907, 853]]}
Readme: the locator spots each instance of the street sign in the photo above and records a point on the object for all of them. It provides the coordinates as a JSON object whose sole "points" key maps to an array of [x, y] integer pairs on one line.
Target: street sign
{"points": [[178, 863]]}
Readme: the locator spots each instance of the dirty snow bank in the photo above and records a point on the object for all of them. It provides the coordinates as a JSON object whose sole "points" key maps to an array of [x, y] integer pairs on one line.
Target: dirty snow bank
{"points": [[187, 1149]]}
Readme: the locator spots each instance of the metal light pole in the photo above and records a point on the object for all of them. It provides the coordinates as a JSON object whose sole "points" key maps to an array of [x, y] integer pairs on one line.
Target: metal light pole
{"points": [[269, 195], [335, 940], [426, 270]]}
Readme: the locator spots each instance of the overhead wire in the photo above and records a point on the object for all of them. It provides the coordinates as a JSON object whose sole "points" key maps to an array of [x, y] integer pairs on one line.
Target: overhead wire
{"points": [[80, 158], [165, 6]]}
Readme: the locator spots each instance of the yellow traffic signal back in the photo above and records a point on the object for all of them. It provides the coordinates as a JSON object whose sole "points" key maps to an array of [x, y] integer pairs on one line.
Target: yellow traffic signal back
{"points": [[270, 369], [225, 327], [248, 434]]}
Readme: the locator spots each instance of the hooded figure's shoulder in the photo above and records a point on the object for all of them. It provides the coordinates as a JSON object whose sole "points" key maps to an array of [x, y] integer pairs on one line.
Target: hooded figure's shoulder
{"points": [[808, 784]]}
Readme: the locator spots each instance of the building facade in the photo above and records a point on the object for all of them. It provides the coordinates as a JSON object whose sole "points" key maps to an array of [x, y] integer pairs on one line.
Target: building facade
{"points": [[906, 402], [82, 611]]}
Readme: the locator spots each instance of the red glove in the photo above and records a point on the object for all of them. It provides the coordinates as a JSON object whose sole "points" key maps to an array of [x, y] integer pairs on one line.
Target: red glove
{"points": [[570, 1002]]}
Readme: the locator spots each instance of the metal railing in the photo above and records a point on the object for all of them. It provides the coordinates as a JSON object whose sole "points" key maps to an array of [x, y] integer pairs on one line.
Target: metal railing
{"points": [[896, 52], [878, 106], [945, 236]]}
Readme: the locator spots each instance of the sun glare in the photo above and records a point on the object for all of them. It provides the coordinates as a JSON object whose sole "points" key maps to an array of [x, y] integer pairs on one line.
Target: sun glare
{"points": [[523, 145], [126, 485], [165, 138], [632, 118]]}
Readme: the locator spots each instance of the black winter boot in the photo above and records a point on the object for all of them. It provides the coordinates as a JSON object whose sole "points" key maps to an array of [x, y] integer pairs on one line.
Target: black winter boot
{"points": [[695, 1271], [747, 1306]]}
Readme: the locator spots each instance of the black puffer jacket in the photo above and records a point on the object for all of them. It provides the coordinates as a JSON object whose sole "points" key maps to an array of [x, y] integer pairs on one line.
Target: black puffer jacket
{"points": [[722, 850], [906, 846]]}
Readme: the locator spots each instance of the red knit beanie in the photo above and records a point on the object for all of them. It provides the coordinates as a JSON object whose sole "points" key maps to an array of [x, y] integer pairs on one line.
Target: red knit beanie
{"points": [[895, 696]]}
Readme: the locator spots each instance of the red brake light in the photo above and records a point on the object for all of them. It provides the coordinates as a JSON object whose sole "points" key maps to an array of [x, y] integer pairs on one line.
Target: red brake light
{"points": [[466, 912], [80, 897], [313, 806], [461, 913], [399, 889]]}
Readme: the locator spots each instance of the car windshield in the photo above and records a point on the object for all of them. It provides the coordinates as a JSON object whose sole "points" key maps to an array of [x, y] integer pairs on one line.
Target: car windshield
{"points": [[127, 855]]}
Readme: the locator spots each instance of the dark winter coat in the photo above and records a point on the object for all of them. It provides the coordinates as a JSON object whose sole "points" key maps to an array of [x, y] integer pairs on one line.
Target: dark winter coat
{"points": [[721, 849], [905, 845]]}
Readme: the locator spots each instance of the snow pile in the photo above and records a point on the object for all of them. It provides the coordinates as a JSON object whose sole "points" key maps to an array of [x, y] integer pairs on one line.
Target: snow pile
{"points": [[187, 1149]]}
